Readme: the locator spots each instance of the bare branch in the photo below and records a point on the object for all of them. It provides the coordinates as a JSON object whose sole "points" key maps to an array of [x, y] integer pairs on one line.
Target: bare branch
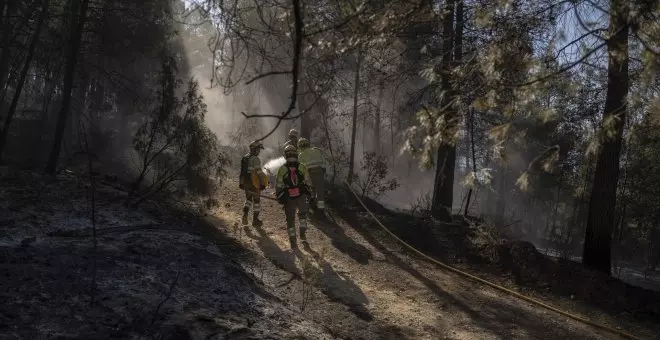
{"points": [[593, 32], [584, 25], [297, 46], [563, 69], [267, 74]]}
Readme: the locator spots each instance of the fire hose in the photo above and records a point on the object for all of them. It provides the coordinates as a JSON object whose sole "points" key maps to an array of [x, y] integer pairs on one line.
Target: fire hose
{"points": [[488, 283], [478, 279]]}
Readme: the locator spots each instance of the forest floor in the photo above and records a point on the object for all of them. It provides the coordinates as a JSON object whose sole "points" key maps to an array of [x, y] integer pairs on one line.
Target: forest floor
{"points": [[162, 274], [393, 294]]}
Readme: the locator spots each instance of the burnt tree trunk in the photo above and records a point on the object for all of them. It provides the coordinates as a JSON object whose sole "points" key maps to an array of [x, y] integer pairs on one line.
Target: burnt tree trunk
{"points": [[356, 92], [474, 160], [597, 252], [377, 143], [305, 103], [21, 79], [78, 14], [443, 187], [7, 32]]}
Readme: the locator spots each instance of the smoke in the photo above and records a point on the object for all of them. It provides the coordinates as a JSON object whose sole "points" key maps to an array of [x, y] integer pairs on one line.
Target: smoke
{"points": [[225, 110], [270, 96], [273, 165]]}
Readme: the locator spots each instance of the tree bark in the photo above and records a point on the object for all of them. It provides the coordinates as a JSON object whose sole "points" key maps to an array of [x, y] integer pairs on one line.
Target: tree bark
{"points": [[377, 143], [597, 252], [500, 199], [21, 80], [356, 92], [326, 127], [79, 12], [7, 12], [474, 159], [443, 188], [304, 103]]}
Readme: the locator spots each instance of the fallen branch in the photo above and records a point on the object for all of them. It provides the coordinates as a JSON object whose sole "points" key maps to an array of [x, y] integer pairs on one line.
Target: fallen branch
{"points": [[167, 297]]}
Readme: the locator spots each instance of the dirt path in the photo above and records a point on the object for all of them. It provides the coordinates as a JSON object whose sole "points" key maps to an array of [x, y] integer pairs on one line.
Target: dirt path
{"points": [[366, 287]]}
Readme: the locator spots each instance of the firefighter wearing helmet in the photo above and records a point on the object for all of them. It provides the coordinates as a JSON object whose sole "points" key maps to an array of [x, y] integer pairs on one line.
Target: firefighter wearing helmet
{"points": [[293, 139], [292, 187], [253, 180], [314, 161]]}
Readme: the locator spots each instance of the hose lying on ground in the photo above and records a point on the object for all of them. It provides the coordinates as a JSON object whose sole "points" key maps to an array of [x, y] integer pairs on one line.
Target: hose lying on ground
{"points": [[480, 280], [488, 283]]}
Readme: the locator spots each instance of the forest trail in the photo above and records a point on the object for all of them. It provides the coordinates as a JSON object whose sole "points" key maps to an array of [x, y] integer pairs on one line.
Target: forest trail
{"points": [[385, 292]]}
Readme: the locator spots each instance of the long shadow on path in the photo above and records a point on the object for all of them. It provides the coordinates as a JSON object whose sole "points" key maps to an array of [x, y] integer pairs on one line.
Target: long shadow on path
{"points": [[332, 285], [280, 258], [340, 240], [497, 317], [338, 288]]}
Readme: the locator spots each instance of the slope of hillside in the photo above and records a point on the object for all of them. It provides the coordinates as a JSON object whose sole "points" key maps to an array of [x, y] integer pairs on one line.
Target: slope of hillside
{"points": [[154, 274], [161, 273], [382, 286]]}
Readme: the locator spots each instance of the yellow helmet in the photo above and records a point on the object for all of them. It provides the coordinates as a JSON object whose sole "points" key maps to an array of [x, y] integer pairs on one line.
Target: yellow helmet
{"points": [[293, 133], [303, 143], [256, 145], [290, 151]]}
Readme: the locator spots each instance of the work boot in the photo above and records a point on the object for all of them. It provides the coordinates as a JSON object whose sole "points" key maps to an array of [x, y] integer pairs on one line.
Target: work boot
{"points": [[292, 241], [244, 220]]}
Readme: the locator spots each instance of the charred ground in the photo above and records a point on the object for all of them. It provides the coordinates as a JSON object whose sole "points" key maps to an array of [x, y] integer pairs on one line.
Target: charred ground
{"points": [[165, 273]]}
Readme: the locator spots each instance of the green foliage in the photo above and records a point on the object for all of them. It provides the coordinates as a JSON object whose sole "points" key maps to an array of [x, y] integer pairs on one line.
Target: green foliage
{"points": [[374, 182], [173, 142]]}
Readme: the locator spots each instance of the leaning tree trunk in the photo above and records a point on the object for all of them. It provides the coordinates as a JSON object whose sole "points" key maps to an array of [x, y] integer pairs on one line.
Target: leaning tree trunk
{"points": [[443, 188], [21, 79], [597, 252], [79, 12], [356, 92]]}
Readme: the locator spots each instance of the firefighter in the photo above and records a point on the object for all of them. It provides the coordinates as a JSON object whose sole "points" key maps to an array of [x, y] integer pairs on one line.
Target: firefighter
{"points": [[314, 161], [252, 181], [292, 188], [293, 139]]}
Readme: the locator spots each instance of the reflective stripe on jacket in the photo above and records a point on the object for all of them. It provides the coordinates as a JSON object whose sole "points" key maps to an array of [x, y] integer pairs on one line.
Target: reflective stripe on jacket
{"points": [[311, 158], [254, 171], [283, 179]]}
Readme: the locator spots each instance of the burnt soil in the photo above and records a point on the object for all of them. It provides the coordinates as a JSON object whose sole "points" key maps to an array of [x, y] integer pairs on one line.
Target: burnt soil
{"points": [[161, 273]]}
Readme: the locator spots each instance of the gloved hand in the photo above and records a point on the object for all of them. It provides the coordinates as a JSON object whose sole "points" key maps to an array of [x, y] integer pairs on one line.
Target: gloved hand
{"points": [[281, 196]]}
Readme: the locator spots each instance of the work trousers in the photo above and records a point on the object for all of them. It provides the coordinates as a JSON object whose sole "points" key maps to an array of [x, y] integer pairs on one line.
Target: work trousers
{"points": [[317, 175], [298, 204], [252, 201]]}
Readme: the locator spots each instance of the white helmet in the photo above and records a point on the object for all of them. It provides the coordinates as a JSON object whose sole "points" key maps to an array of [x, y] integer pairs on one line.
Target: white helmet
{"points": [[293, 133]]}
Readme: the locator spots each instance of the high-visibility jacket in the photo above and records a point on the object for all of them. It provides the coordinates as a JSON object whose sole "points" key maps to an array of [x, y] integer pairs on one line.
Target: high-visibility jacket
{"points": [[254, 174], [285, 180], [312, 158]]}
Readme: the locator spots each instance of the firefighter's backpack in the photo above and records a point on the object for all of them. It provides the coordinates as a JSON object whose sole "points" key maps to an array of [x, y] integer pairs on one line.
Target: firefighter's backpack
{"points": [[243, 177]]}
